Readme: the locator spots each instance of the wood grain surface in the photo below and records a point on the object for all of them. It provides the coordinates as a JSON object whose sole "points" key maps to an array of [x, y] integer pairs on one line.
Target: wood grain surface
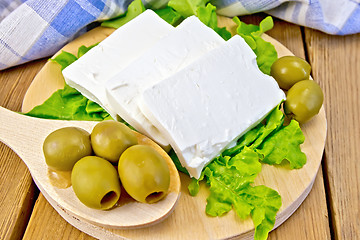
{"points": [[16, 186], [336, 65], [331, 210]]}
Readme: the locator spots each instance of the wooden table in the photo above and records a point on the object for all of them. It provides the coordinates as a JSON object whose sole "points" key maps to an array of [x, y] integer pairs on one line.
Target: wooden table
{"points": [[332, 209]]}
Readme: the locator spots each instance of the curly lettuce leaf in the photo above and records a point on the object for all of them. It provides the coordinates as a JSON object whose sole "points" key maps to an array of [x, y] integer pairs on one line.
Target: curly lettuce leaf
{"points": [[224, 197], [266, 203], [83, 49], [274, 141], [68, 103], [134, 9], [284, 144], [208, 16], [243, 168], [251, 31], [265, 51], [273, 122], [230, 180], [203, 10], [187, 8], [169, 15], [194, 185], [64, 59], [227, 178], [258, 134], [266, 55], [231, 175]]}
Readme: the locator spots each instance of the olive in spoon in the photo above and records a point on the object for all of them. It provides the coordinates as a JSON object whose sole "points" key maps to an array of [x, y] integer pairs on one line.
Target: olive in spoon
{"points": [[25, 136]]}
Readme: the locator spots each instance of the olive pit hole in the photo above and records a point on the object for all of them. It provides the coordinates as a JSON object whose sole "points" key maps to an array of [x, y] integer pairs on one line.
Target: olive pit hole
{"points": [[154, 197], [109, 200]]}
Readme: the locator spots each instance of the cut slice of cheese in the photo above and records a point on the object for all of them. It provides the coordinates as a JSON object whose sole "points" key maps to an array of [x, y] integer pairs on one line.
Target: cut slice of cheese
{"points": [[209, 104], [187, 42], [90, 72]]}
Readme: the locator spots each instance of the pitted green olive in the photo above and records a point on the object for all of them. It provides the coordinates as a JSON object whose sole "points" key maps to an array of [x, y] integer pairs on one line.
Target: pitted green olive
{"points": [[304, 100], [289, 70], [109, 139], [144, 173], [96, 182], [65, 146]]}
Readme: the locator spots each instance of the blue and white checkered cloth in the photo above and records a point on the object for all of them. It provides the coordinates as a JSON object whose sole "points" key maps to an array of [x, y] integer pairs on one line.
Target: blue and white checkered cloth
{"points": [[33, 29]]}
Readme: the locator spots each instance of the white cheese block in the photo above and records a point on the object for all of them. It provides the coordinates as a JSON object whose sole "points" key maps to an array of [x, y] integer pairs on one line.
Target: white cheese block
{"points": [[187, 42], [204, 108], [90, 72]]}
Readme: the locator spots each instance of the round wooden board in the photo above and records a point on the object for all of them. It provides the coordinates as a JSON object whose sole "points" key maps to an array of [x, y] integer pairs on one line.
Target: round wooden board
{"points": [[189, 219]]}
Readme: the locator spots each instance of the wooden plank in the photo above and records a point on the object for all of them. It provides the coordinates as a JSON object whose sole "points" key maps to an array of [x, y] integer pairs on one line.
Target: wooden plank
{"points": [[16, 185], [336, 66], [310, 221], [46, 223], [17, 189]]}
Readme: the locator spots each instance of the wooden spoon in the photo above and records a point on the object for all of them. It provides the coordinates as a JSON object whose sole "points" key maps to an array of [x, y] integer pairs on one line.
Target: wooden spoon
{"points": [[25, 136]]}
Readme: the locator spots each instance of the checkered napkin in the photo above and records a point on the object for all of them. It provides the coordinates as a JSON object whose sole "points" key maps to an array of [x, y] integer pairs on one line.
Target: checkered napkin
{"points": [[33, 29]]}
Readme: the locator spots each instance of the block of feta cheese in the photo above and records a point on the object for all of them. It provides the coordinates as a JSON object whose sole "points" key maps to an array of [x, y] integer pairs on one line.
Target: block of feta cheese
{"points": [[90, 72], [205, 107], [187, 42]]}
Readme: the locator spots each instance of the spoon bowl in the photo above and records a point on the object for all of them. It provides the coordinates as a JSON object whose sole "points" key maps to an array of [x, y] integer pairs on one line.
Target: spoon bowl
{"points": [[25, 136]]}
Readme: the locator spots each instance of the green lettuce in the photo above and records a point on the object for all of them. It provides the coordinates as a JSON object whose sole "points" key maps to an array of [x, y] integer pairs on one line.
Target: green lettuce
{"points": [[83, 49], [187, 8], [134, 9], [64, 59], [68, 103], [258, 134], [273, 141], [203, 10], [284, 145], [232, 174], [169, 15], [266, 203], [208, 16], [230, 180], [265, 51]]}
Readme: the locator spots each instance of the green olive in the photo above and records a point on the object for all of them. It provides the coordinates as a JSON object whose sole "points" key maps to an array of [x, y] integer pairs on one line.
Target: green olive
{"points": [[289, 70], [65, 146], [144, 173], [109, 139], [304, 100], [96, 182]]}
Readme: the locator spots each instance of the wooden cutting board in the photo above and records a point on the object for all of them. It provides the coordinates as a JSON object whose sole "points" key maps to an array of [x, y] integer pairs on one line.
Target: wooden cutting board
{"points": [[189, 219]]}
